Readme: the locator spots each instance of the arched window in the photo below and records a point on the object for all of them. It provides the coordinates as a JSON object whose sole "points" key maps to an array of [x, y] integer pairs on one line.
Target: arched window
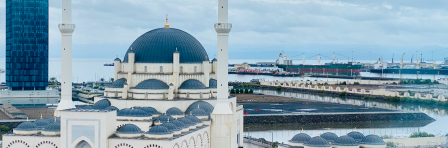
{"points": [[161, 69], [181, 69], [195, 69], [146, 69]]}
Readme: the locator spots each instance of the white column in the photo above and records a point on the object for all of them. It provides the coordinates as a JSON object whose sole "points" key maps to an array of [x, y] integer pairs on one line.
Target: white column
{"points": [[66, 29]]}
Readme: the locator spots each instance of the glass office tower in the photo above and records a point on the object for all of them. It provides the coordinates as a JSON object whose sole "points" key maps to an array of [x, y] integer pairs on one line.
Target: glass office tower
{"points": [[27, 44]]}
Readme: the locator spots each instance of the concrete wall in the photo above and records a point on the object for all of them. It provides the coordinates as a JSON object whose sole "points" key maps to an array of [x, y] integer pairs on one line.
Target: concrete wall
{"points": [[424, 141]]}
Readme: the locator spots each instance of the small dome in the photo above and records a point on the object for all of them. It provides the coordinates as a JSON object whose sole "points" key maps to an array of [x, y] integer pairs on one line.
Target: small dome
{"points": [[111, 108], [152, 84], [26, 126], [345, 141], [165, 118], [174, 111], [214, 59], [179, 124], [192, 84], [187, 121], [41, 122], [53, 127], [148, 109], [300, 138], [119, 83], [213, 83], [329, 136], [207, 107], [133, 113], [194, 119], [373, 140], [102, 104], [129, 129], [356, 135], [172, 127], [51, 119], [317, 142], [199, 112], [117, 59], [88, 107], [158, 130]]}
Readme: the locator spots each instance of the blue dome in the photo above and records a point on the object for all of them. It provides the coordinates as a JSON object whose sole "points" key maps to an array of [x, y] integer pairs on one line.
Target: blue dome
{"points": [[152, 84], [345, 141], [192, 84], [26, 126], [164, 118], [207, 107], [317, 142], [129, 129], [373, 140], [199, 112], [187, 121], [119, 83], [174, 111], [158, 46], [179, 124], [41, 123], [88, 107], [329, 136], [158, 130], [117, 59], [213, 83], [172, 127], [112, 108], [356, 135], [194, 119], [300, 138], [133, 113], [53, 127], [51, 119], [102, 104], [148, 109]]}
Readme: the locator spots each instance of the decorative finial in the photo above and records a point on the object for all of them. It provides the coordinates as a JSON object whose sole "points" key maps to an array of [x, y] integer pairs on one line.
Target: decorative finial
{"points": [[302, 130], [176, 48], [373, 132], [345, 132], [318, 134], [54, 119], [176, 117], [166, 24], [355, 129], [142, 104], [328, 129], [129, 121], [40, 116], [159, 121], [131, 48], [168, 119], [132, 106], [117, 56], [191, 113], [198, 105], [26, 118]]}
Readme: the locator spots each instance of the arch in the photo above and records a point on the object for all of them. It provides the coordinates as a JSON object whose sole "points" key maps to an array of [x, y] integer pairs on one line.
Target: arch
{"points": [[146, 69], [199, 137], [83, 144], [17, 142], [176, 145], [124, 145], [195, 69], [46, 143], [152, 146], [184, 144], [205, 137], [83, 139], [181, 69], [161, 69], [192, 142]]}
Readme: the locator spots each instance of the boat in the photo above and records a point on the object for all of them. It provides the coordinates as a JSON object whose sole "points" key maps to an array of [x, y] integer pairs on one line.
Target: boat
{"points": [[286, 64]]}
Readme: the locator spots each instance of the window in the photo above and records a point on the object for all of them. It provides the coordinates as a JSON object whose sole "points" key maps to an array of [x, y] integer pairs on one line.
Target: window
{"points": [[161, 69]]}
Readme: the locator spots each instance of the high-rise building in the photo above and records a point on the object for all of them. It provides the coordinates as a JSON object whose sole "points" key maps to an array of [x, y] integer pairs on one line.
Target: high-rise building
{"points": [[27, 44]]}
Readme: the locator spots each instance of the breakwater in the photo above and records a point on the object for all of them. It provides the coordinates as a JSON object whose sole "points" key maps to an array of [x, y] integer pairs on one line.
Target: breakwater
{"points": [[335, 117]]}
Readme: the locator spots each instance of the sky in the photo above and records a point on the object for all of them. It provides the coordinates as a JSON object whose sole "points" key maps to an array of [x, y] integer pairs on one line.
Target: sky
{"points": [[261, 28]]}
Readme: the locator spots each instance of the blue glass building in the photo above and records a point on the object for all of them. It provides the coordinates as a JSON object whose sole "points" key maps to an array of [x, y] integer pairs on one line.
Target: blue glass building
{"points": [[27, 44]]}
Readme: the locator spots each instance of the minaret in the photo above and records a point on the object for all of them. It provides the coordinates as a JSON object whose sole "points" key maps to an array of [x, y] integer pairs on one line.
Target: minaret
{"points": [[223, 131], [66, 29]]}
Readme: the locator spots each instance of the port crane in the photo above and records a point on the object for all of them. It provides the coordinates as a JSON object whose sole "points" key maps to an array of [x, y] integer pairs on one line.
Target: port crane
{"points": [[401, 62]]}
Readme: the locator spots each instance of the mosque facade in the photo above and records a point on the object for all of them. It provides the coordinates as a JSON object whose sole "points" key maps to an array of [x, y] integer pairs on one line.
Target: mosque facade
{"points": [[167, 93]]}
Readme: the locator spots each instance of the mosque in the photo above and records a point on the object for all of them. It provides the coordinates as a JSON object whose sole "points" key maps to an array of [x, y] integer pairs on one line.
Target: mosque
{"points": [[167, 93]]}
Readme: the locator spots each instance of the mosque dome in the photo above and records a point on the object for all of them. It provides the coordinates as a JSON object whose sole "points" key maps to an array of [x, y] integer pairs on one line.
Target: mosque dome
{"points": [[112, 108], [51, 119], [102, 104], [129, 129], [317, 142], [26, 126], [199, 112], [187, 121], [213, 83], [345, 141], [158, 45], [88, 107], [119, 83], [172, 127], [174, 111], [179, 124], [41, 122], [53, 127], [329, 136], [192, 84], [152, 84], [300, 138], [165, 118], [373, 140], [207, 107], [158, 130], [356, 135], [133, 113], [194, 119], [148, 109]]}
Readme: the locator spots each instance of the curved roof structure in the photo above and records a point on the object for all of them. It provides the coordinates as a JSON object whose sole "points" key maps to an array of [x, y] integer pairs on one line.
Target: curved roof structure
{"points": [[158, 46], [356, 135], [148, 109], [207, 107], [194, 119], [373, 140], [192, 84], [187, 121], [51, 119], [300, 138], [199, 112], [329, 136], [53, 127], [213, 83], [158, 130], [112, 108], [129, 129], [88, 107], [172, 127], [26, 126], [152, 84], [41, 122], [102, 104], [119, 83], [174, 111], [317, 142], [345, 141], [179, 124], [165, 118], [133, 113]]}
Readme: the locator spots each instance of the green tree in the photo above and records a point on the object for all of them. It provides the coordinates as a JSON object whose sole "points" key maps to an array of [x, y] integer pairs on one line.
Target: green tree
{"points": [[241, 91], [232, 91], [263, 140], [4, 128], [251, 91], [102, 79], [275, 144], [246, 91], [111, 79]]}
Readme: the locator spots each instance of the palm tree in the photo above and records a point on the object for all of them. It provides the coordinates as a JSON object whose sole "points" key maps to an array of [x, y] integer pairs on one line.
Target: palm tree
{"points": [[111, 79]]}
